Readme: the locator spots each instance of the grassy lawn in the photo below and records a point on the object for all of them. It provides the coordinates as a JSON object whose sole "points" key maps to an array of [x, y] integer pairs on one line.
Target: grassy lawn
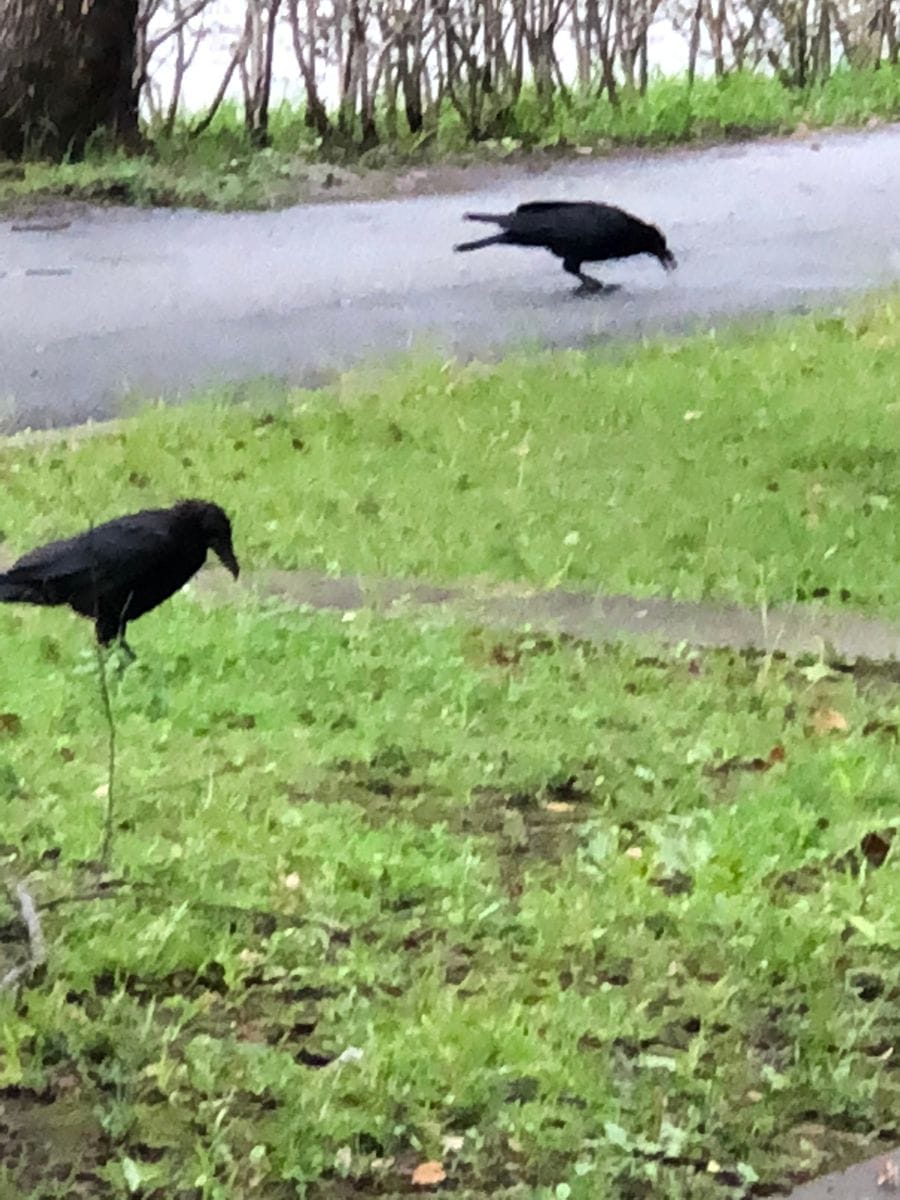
{"points": [[392, 901], [759, 467], [390, 898], [219, 169]]}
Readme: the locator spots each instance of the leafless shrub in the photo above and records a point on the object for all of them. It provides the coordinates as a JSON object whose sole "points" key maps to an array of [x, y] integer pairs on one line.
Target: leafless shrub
{"points": [[370, 67]]}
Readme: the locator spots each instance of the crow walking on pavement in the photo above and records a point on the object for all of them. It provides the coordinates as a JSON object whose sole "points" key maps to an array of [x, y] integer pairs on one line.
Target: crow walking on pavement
{"points": [[577, 232]]}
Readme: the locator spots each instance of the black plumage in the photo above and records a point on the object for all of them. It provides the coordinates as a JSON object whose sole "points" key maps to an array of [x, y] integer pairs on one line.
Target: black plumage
{"points": [[577, 232], [116, 572]]}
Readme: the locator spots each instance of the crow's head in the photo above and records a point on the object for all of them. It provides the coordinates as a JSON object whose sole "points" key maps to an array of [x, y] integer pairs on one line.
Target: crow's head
{"points": [[656, 245], [215, 529]]}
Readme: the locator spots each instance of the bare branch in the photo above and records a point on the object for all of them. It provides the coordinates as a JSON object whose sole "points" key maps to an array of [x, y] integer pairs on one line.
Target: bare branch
{"points": [[238, 55], [37, 949], [182, 17]]}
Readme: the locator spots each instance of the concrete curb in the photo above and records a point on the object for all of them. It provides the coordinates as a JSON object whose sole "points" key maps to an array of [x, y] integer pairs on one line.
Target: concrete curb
{"points": [[24, 439], [794, 630]]}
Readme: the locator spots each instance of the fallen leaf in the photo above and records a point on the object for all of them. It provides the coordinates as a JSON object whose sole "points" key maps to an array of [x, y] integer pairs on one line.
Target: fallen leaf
{"points": [[777, 754], [10, 723], [235, 720], [747, 764], [888, 1175], [829, 720], [888, 728], [559, 806], [678, 883], [505, 656], [875, 846], [817, 672], [427, 1174], [343, 1159], [132, 1172]]}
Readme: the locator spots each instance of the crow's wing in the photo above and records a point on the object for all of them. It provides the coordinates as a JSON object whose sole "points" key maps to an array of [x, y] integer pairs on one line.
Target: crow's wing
{"points": [[578, 225], [113, 556], [544, 219], [538, 206]]}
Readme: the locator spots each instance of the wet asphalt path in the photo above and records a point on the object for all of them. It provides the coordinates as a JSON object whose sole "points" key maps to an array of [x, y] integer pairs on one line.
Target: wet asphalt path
{"points": [[160, 302]]}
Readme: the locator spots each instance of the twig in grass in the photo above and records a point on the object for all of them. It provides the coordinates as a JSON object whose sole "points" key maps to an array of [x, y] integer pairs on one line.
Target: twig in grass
{"points": [[106, 845], [114, 888], [37, 948], [110, 890]]}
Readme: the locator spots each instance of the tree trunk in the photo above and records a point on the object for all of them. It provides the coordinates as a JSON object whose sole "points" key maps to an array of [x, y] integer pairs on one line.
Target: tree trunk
{"points": [[316, 114], [694, 51], [67, 69]]}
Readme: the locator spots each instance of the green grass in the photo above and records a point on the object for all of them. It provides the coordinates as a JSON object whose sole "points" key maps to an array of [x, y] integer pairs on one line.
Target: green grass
{"points": [[577, 928], [219, 169], [754, 467], [573, 922], [738, 105]]}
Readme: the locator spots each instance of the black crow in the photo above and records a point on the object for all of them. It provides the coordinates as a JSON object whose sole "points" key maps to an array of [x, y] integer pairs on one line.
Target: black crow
{"points": [[577, 232], [116, 572]]}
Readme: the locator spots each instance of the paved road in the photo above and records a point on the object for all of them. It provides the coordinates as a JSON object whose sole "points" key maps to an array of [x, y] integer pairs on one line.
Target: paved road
{"points": [[161, 301], [876, 1179]]}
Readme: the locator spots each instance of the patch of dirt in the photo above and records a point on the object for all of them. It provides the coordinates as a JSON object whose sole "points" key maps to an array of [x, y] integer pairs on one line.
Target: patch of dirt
{"points": [[50, 1140], [540, 825]]}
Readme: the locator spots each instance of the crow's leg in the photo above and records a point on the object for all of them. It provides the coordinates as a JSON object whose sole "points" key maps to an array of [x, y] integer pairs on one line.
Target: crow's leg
{"points": [[593, 287], [125, 657], [127, 652], [589, 286], [573, 267], [108, 635]]}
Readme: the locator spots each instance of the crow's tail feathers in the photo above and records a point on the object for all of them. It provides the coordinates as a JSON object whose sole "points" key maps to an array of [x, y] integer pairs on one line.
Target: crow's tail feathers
{"points": [[491, 218], [10, 591], [19, 591], [487, 241]]}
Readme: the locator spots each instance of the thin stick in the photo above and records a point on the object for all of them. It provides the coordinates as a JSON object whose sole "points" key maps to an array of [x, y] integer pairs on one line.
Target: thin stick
{"points": [[37, 947], [106, 846]]}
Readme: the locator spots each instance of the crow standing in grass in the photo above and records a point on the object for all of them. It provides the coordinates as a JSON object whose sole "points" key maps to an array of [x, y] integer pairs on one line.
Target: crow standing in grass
{"points": [[116, 572], [577, 232]]}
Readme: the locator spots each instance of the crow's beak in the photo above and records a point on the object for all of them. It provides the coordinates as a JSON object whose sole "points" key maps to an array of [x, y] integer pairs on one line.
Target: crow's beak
{"points": [[226, 554]]}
